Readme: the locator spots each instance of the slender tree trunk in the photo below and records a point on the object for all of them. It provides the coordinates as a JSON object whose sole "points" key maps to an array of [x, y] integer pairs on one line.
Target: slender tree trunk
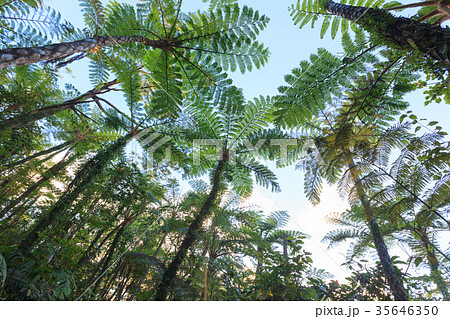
{"points": [[205, 280], [395, 282], [109, 281], [205, 266], [52, 171], [105, 262], [259, 258], [434, 266], [430, 40], [161, 242], [56, 148], [437, 276], [141, 281], [147, 270], [24, 56], [171, 272], [84, 177], [32, 116], [285, 247], [89, 253], [122, 286]]}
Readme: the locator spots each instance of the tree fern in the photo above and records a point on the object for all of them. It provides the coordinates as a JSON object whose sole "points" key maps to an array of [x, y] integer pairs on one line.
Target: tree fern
{"points": [[319, 81], [434, 11], [310, 11], [28, 23], [228, 33], [93, 14]]}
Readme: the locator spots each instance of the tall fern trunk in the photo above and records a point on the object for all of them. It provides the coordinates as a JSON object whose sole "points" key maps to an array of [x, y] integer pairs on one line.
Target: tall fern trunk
{"points": [[205, 280], [57, 148], [433, 263], [35, 115], [141, 281], [430, 40], [84, 177], [47, 175], [52, 52], [171, 271], [147, 270], [259, 252], [436, 275], [91, 252], [108, 257], [395, 282]]}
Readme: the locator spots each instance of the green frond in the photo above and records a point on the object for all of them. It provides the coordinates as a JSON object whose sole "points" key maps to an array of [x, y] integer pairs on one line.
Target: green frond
{"points": [[347, 219], [240, 179], [278, 218], [206, 118], [166, 94], [393, 137], [135, 258], [130, 80], [279, 234], [310, 11], [252, 118], [29, 23], [227, 34], [93, 14], [98, 70], [313, 181], [336, 237], [371, 181], [400, 165], [346, 184], [316, 84], [439, 193], [263, 175]]}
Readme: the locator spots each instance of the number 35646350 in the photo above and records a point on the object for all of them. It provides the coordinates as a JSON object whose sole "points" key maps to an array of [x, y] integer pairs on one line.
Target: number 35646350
{"points": [[407, 310]]}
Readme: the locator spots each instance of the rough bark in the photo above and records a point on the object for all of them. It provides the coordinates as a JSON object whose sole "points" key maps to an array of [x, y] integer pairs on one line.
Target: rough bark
{"points": [[171, 272], [24, 56], [394, 279], [83, 178], [430, 40], [41, 113]]}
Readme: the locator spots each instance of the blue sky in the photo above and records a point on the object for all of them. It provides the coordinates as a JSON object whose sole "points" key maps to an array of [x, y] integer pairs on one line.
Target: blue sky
{"points": [[288, 45]]}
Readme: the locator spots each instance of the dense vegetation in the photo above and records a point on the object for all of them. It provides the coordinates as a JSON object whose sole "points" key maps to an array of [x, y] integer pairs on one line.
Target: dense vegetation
{"points": [[84, 218]]}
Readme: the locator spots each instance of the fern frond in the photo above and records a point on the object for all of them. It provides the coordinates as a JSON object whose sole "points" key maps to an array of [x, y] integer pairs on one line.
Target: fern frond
{"points": [[29, 23], [306, 11]]}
